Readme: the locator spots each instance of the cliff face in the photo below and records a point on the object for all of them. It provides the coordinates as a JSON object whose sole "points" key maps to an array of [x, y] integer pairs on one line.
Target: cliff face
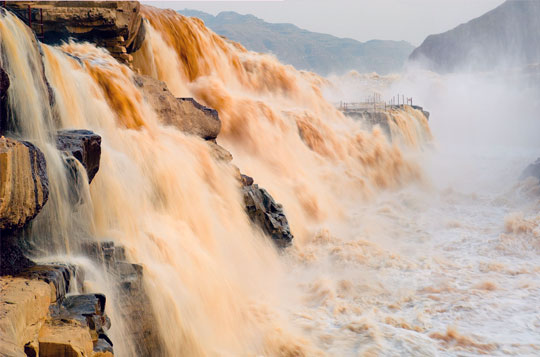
{"points": [[509, 35], [115, 25]]}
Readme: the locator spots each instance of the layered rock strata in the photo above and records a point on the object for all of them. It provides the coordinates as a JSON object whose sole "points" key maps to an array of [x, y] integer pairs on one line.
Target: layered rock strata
{"points": [[114, 25], [37, 318]]}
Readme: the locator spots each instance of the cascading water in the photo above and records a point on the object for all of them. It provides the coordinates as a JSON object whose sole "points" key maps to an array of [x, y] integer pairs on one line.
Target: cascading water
{"points": [[217, 286]]}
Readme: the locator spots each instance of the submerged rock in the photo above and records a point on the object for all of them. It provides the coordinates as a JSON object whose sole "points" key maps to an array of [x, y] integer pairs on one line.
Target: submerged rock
{"points": [[186, 114], [266, 213], [83, 145], [24, 184]]}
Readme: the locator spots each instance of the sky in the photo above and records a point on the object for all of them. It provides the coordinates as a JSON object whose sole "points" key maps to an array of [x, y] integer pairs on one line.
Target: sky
{"points": [[363, 20]]}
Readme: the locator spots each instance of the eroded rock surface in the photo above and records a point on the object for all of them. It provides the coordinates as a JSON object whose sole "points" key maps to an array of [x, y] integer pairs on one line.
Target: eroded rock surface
{"points": [[37, 318], [184, 113], [133, 301], [83, 145], [266, 213], [24, 185], [115, 25]]}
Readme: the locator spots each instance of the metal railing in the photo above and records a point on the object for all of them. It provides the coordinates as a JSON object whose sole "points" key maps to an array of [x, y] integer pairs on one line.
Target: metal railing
{"points": [[30, 16], [374, 103]]}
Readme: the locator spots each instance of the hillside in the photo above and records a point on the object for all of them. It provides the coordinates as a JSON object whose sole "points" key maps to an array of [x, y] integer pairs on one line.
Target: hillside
{"points": [[508, 35], [307, 50]]}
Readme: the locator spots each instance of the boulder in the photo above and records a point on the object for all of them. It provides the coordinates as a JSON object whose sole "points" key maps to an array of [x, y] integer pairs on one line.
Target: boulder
{"points": [[64, 339], [24, 185], [184, 113], [265, 212], [24, 306], [198, 119], [83, 145]]}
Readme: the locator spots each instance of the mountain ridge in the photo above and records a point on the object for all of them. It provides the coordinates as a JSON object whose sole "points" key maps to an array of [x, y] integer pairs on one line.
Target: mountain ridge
{"points": [[508, 35], [306, 50]]}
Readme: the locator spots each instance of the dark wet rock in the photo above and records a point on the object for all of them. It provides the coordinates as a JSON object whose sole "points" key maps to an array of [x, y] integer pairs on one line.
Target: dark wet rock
{"points": [[132, 296], [246, 180], [84, 145], [24, 184], [533, 170], [103, 345], [61, 276], [12, 258], [266, 213], [4, 85]]}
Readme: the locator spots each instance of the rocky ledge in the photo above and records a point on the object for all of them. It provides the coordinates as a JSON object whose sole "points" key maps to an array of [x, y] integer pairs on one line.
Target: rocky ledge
{"points": [[115, 25], [186, 114], [132, 299], [37, 318]]}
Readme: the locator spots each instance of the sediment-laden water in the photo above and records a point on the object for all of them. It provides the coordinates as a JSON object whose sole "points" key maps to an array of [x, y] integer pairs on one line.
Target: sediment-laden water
{"points": [[400, 248]]}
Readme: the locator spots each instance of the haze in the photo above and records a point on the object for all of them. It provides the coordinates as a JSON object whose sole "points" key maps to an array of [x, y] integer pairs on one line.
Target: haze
{"points": [[363, 20]]}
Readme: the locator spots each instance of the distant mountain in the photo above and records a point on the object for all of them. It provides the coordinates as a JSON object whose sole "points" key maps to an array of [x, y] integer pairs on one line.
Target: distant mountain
{"points": [[317, 52], [507, 36]]}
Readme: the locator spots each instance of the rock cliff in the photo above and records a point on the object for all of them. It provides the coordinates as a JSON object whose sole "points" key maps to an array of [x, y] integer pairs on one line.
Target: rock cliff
{"points": [[24, 184], [115, 25]]}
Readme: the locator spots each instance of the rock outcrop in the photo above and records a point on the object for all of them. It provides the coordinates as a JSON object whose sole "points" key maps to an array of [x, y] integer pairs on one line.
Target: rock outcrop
{"points": [[199, 120], [115, 25], [533, 170], [509, 35], [4, 83], [186, 114], [83, 145], [266, 213], [24, 185], [38, 319], [140, 322], [4, 86]]}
